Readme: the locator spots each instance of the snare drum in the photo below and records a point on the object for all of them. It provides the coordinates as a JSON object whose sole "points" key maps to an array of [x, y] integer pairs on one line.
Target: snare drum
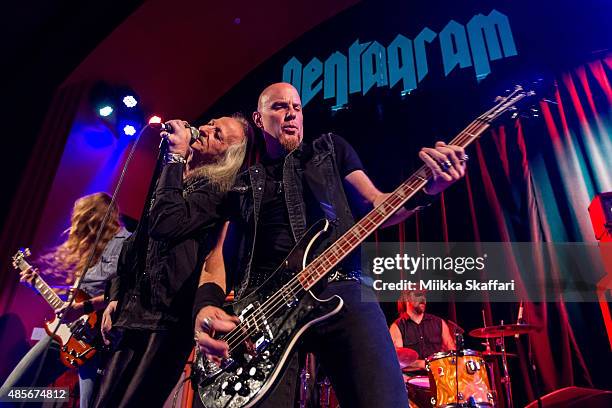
{"points": [[468, 368], [419, 392]]}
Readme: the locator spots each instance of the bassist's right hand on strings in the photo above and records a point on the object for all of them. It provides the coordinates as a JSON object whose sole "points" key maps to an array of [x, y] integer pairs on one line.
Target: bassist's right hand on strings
{"points": [[210, 321]]}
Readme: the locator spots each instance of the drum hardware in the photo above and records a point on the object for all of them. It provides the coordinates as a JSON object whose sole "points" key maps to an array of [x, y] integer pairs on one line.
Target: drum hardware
{"points": [[327, 397], [459, 345], [316, 390], [497, 354], [305, 377], [499, 333], [472, 366]]}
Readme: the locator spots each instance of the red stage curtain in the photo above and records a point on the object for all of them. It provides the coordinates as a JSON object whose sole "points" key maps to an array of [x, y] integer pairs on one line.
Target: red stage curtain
{"points": [[533, 181]]}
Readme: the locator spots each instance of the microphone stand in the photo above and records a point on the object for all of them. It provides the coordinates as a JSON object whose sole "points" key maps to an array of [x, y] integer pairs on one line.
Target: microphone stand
{"points": [[142, 229]]}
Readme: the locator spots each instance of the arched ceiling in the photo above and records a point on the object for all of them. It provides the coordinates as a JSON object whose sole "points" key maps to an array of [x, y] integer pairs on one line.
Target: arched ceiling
{"points": [[181, 56]]}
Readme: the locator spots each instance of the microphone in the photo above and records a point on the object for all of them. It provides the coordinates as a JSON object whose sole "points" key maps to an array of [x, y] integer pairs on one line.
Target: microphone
{"points": [[195, 133]]}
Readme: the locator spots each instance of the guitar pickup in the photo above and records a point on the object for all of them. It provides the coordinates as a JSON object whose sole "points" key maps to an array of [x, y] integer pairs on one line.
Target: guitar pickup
{"points": [[289, 297], [258, 328]]}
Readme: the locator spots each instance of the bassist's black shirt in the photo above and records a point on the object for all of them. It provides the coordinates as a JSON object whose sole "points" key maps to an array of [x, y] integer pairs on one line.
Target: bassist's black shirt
{"points": [[274, 236]]}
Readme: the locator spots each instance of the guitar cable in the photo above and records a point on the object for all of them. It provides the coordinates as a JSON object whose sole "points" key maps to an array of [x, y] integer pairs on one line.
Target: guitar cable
{"points": [[103, 223]]}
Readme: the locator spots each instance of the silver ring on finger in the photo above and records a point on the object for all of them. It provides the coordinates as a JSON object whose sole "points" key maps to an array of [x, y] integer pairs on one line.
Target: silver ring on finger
{"points": [[446, 165], [465, 158], [207, 323]]}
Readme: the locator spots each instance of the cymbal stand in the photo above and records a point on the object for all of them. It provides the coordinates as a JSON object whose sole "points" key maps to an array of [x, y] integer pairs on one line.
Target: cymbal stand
{"points": [[506, 379], [305, 376], [490, 367], [484, 324], [532, 364], [458, 346], [325, 397]]}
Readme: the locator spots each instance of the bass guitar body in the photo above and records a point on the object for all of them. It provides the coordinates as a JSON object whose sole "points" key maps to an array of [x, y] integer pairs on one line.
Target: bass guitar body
{"points": [[273, 317]]}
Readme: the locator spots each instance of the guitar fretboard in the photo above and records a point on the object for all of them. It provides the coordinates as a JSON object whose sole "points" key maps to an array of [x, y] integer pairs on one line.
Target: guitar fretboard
{"points": [[43, 288], [375, 218]]}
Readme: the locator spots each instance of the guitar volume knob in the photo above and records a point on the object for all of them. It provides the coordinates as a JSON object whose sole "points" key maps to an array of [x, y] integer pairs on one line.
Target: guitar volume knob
{"points": [[242, 389]]}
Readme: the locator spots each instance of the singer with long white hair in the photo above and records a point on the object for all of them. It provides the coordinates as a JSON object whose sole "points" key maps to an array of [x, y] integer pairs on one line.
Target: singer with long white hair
{"points": [[159, 268]]}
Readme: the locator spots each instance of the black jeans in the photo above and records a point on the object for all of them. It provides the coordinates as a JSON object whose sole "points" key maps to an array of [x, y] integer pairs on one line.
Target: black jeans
{"points": [[355, 349], [144, 369]]}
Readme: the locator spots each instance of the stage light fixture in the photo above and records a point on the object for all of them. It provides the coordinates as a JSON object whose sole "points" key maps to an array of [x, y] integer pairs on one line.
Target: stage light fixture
{"points": [[155, 119], [129, 130], [129, 101], [105, 111]]}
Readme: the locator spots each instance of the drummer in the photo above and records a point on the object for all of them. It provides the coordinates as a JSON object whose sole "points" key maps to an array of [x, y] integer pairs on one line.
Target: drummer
{"points": [[422, 332]]}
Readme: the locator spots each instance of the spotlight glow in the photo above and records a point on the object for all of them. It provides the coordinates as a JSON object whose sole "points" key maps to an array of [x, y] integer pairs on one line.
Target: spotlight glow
{"points": [[129, 130], [155, 119], [105, 110], [130, 101]]}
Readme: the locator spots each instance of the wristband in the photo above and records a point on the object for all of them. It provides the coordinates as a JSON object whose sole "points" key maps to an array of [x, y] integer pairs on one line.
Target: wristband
{"points": [[88, 307], [209, 294], [174, 158]]}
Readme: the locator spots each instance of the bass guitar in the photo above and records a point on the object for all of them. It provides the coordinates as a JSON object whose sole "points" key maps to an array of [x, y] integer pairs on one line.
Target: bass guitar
{"points": [[274, 316]]}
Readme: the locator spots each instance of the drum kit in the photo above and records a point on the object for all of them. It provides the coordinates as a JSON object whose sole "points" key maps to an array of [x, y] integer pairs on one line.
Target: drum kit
{"points": [[461, 378], [464, 377]]}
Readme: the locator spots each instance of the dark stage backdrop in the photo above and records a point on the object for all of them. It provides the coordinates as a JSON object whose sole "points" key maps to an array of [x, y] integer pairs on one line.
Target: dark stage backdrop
{"points": [[528, 179]]}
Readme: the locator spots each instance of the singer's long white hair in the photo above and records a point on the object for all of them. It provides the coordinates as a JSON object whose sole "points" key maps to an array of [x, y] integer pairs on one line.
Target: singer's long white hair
{"points": [[222, 174]]}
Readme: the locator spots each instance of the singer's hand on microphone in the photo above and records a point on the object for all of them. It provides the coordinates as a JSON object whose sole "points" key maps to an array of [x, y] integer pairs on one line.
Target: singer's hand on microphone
{"points": [[179, 138]]}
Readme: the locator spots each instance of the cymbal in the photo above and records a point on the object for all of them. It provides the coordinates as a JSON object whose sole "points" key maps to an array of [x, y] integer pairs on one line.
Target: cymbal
{"points": [[454, 327], [496, 354], [406, 356], [503, 330]]}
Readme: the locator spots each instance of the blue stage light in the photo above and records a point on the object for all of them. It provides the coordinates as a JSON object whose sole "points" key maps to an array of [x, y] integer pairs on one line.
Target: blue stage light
{"points": [[105, 110]]}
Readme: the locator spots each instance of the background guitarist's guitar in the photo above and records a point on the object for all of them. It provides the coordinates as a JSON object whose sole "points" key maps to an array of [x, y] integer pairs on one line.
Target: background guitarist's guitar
{"points": [[76, 339], [275, 315]]}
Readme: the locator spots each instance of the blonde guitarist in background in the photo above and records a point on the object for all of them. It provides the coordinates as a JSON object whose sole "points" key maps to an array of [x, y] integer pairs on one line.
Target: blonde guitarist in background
{"points": [[65, 264]]}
